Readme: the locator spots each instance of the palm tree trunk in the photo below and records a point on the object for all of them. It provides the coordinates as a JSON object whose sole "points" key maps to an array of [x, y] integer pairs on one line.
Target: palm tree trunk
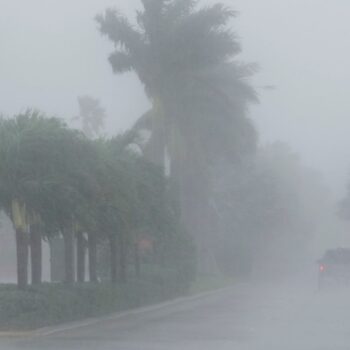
{"points": [[155, 148], [68, 238], [92, 257], [122, 260], [113, 248], [137, 260], [22, 258], [36, 254], [80, 257]]}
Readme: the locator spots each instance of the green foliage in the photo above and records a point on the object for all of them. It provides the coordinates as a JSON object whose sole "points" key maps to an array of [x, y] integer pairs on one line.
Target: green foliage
{"points": [[45, 165], [56, 177], [172, 38], [185, 56]]}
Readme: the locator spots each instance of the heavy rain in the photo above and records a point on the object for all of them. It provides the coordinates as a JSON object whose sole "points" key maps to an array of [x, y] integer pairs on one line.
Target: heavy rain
{"points": [[174, 174]]}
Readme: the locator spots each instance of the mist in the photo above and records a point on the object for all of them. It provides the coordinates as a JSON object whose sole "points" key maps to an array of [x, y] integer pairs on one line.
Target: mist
{"points": [[165, 162], [304, 58]]}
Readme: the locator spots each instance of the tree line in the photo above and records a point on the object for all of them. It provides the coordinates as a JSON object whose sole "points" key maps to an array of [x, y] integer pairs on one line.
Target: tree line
{"points": [[54, 181], [58, 181]]}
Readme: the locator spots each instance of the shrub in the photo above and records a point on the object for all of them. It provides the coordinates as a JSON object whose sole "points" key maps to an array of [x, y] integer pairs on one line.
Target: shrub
{"points": [[52, 304]]}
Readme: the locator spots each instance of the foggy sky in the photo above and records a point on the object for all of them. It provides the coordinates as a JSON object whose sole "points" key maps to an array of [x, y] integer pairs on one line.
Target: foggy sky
{"points": [[51, 52]]}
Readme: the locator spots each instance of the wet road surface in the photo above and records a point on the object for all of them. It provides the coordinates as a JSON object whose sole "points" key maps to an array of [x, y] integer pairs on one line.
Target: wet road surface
{"points": [[247, 317]]}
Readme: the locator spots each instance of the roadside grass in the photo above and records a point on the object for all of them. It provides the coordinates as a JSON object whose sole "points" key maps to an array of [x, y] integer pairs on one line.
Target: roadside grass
{"points": [[52, 304]]}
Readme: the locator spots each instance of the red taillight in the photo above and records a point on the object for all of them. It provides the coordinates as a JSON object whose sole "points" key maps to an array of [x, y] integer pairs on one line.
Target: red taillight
{"points": [[322, 268]]}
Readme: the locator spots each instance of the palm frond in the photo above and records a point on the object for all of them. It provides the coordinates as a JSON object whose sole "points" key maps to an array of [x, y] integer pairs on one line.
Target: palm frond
{"points": [[121, 61], [119, 30], [178, 9], [212, 17]]}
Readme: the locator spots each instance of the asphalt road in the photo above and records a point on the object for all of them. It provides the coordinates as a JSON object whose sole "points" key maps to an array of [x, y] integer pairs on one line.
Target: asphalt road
{"points": [[247, 317]]}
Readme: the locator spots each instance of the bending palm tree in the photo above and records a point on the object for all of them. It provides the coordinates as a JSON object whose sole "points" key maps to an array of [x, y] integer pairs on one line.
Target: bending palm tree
{"points": [[183, 56]]}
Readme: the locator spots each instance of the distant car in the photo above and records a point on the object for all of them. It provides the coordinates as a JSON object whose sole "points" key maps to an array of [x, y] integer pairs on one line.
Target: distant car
{"points": [[334, 268]]}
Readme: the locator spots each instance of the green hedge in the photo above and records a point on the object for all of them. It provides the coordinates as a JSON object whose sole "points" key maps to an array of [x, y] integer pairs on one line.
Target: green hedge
{"points": [[51, 304]]}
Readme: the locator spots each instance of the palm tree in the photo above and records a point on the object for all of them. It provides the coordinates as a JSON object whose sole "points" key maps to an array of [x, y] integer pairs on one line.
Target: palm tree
{"points": [[45, 184], [72, 206], [115, 203], [184, 57], [28, 150], [56, 182], [91, 115]]}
